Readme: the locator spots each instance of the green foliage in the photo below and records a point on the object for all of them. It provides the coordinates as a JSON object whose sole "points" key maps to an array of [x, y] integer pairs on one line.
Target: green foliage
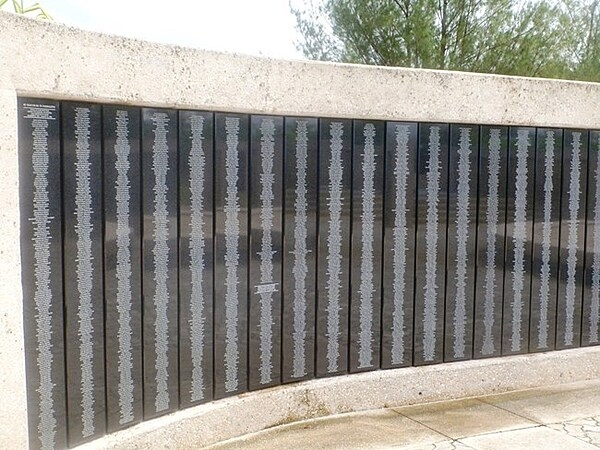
{"points": [[19, 8], [559, 39]]}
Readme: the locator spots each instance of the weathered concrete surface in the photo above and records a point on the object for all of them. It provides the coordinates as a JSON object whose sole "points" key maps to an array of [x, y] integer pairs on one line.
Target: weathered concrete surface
{"points": [[13, 416], [498, 422], [255, 411], [43, 59], [46, 59]]}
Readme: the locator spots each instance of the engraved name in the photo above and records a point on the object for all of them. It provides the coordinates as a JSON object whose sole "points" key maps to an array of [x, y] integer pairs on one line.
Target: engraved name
{"points": [[431, 245], [40, 115], [519, 239], [265, 291], [488, 346], [197, 166], [122, 151], [232, 256], [300, 252], [595, 294], [462, 235], [85, 268], [334, 246], [573, 221], [401, 173], [367, 288], [544, 293], [160, 255]]}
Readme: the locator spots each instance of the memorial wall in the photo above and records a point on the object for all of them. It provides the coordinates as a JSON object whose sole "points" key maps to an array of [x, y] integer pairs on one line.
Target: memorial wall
{"points": [[173, 257]]}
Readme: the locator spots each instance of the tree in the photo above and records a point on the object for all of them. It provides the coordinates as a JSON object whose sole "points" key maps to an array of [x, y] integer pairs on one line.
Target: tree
{"points": [[19, 8], [532, 38]]}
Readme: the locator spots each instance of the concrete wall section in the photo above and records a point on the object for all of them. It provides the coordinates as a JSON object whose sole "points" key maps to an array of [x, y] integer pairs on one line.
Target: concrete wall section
{"points": [[13, 407], [225, 419], [50, 60]]}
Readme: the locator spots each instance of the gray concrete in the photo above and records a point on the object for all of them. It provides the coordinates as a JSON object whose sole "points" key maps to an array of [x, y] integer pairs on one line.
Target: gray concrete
{"points": [[499, 422], [252, 412], [43, 59]]}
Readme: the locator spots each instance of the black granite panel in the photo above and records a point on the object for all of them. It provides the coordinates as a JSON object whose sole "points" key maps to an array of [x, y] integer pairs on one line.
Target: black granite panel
{"points": [[122, 265], [572, 239], [299, 248], [83, 283], [400, 205], [160, 261], [519, 228], [333, 279], [231, 254], [196, 150], [266, 242], [432, 195], [42, 274], [546, 228], [591, 291], [462, 240], [491, 224], [366, 249]]}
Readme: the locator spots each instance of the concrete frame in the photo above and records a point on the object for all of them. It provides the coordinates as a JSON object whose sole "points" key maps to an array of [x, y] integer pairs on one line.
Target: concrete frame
{"points": [[47, 60]]}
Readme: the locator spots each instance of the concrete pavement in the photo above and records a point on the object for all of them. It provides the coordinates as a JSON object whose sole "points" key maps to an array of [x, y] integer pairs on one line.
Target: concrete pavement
{"points": [[565, 417]]}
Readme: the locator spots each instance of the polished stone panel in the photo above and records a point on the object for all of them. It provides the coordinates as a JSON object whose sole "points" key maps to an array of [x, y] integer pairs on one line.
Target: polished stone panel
{"points": [[572, 239], [231, 254], [400, 205], [42, 274], [491, 221], [83, 283], [160, 261], [299, 248], [122, 265], [591, 291], [519, 229], [366, 248], [462, 239], [432, 195], [546, 228], [266, 233], [196, 168], [335, 170]]}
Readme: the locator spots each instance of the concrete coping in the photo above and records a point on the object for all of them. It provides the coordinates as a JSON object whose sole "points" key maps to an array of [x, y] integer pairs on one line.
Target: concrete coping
{"points": [[50, 60]]}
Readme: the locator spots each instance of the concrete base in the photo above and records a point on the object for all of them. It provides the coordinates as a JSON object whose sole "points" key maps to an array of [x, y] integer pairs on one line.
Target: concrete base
{"points": [[248, 413]]}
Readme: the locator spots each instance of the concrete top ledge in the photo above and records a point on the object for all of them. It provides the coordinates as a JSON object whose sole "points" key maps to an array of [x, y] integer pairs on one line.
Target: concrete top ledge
{"points": [[46, 59]]}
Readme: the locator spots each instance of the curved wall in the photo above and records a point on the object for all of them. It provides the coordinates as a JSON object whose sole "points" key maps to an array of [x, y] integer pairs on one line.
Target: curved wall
{"points": [[43, 60]]}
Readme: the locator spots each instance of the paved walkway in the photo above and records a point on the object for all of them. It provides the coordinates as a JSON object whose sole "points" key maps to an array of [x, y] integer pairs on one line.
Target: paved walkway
{"points": [[565, 417]]}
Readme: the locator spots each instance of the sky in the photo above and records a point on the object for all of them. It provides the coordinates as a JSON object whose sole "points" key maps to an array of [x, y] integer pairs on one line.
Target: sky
{"points": [[255, 27]]}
